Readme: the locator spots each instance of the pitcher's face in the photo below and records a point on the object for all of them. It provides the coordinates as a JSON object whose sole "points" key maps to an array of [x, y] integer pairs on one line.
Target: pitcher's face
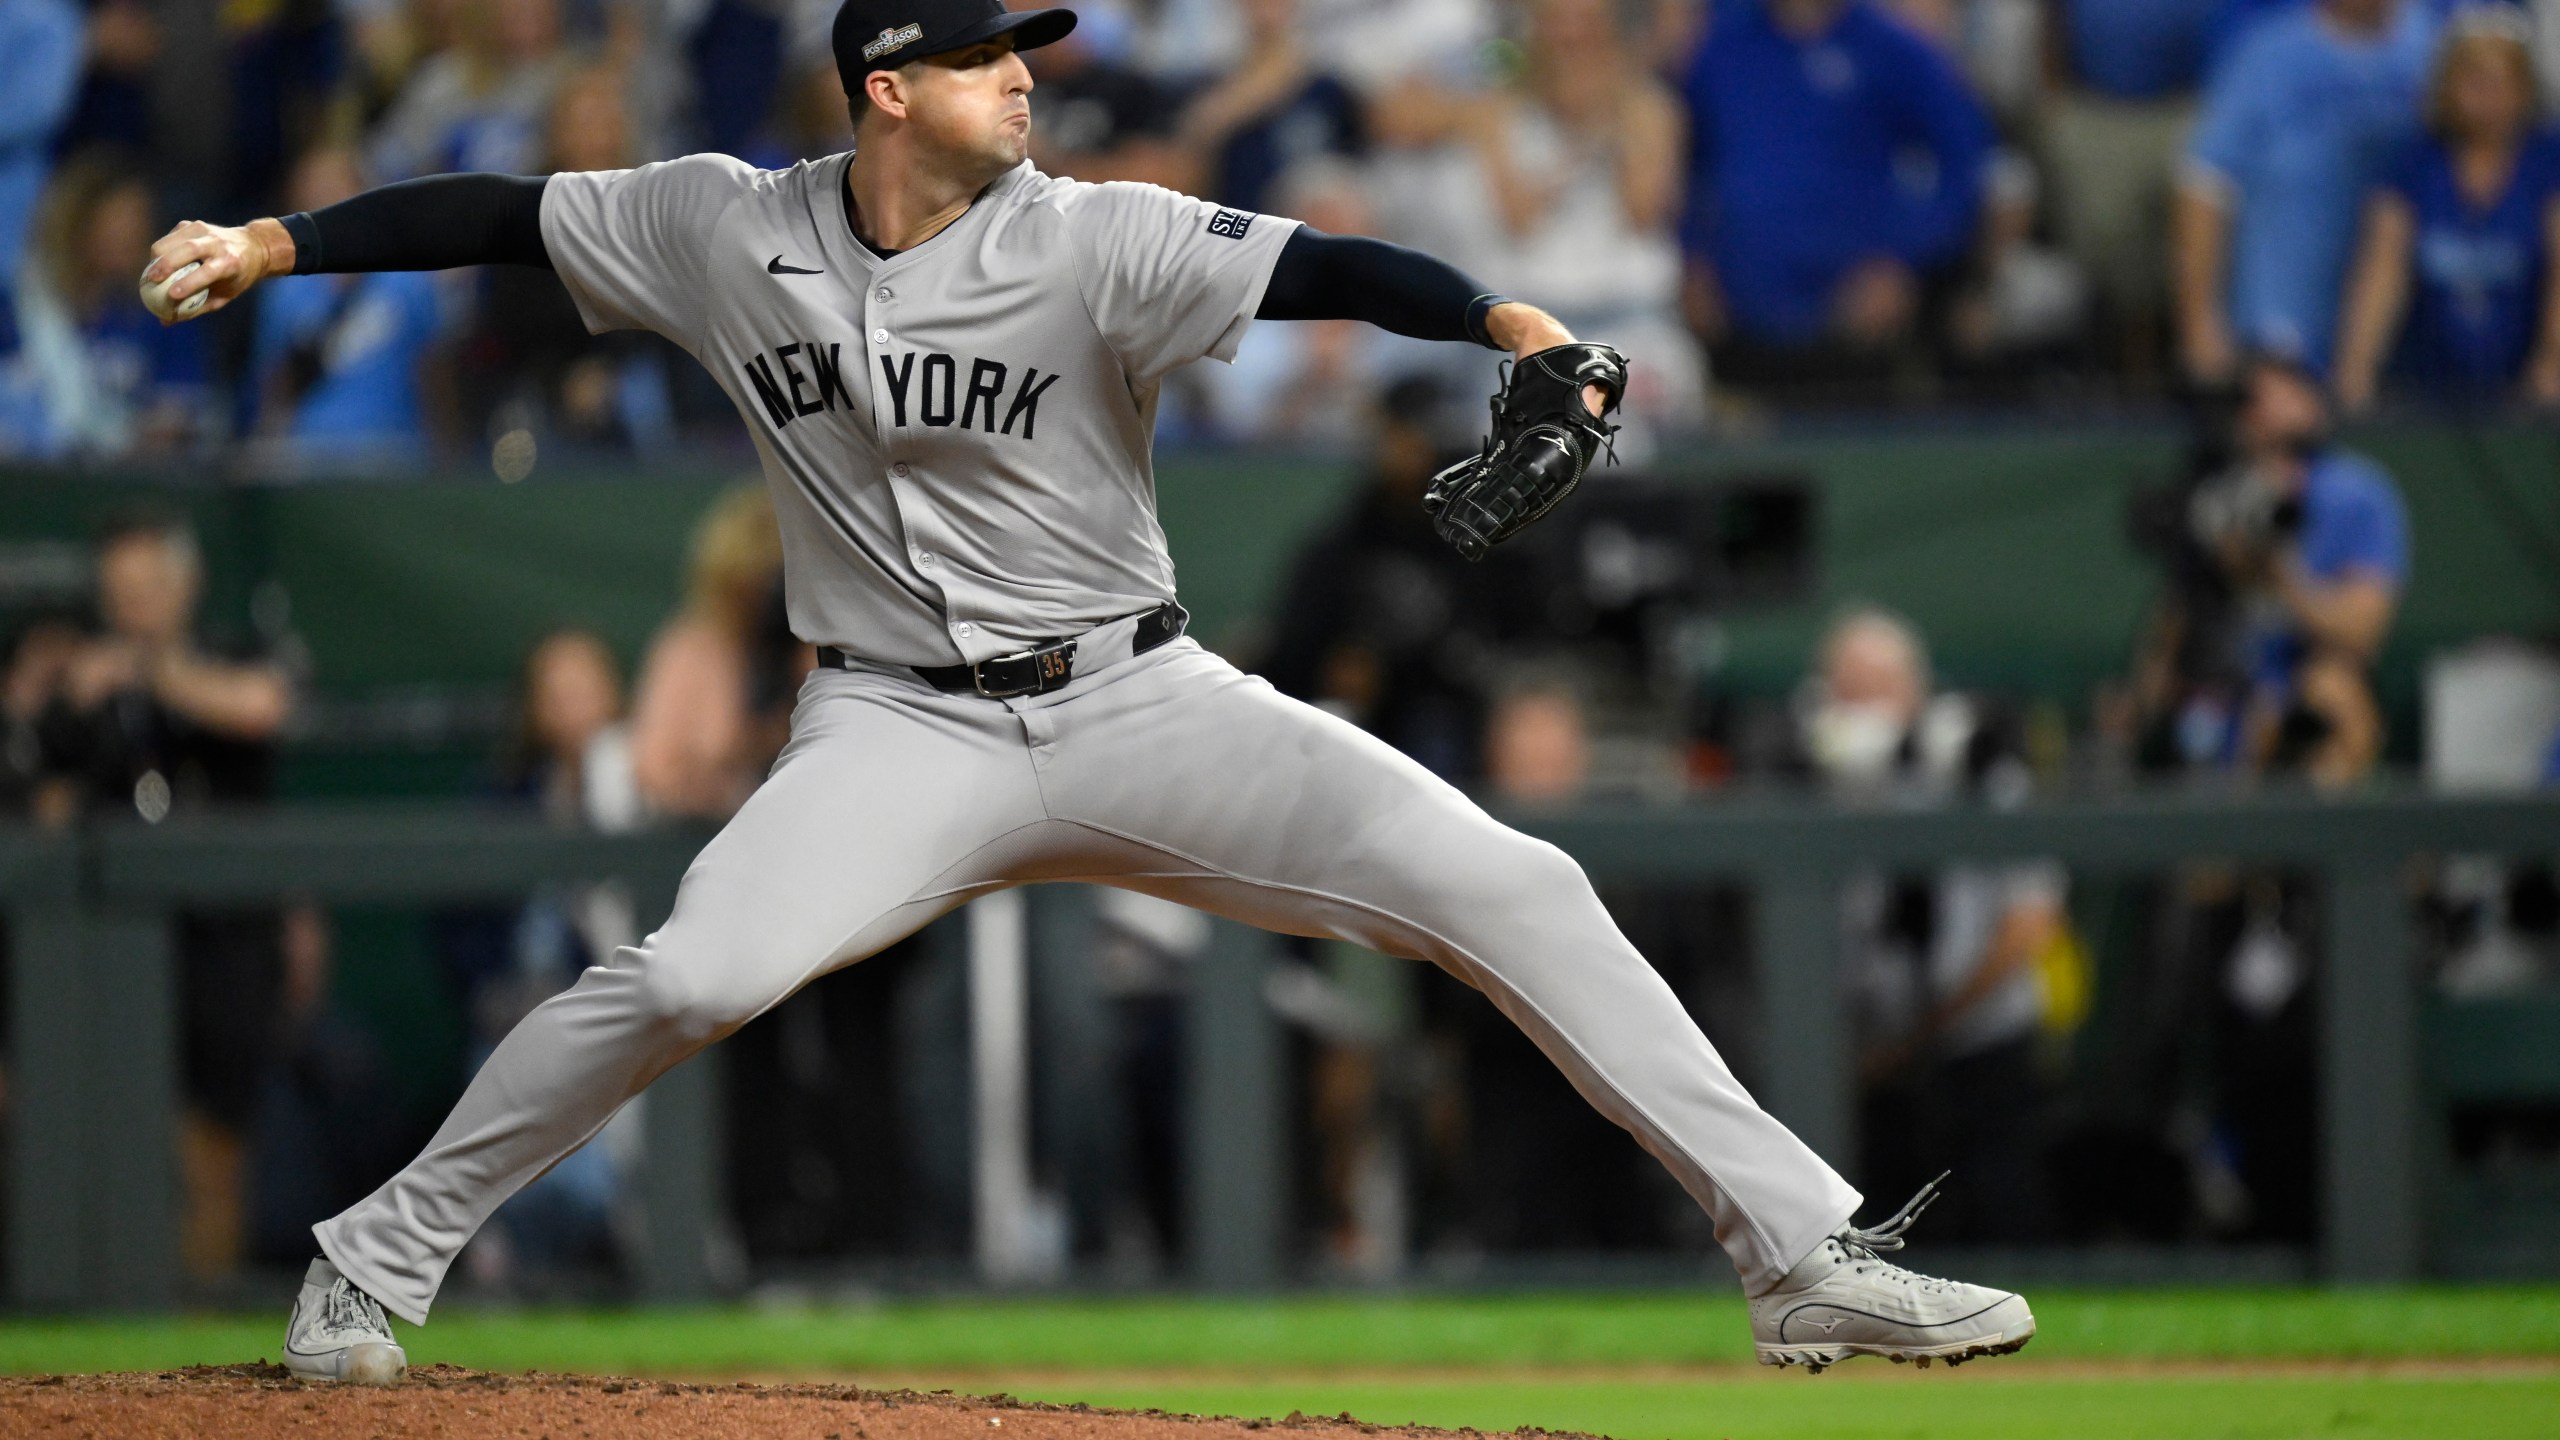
{"points": [[972, 107]]}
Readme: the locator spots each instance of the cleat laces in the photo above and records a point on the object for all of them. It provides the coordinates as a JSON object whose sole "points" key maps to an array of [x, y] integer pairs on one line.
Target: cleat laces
{"points": [[1865, 1248], [347, 1308]]}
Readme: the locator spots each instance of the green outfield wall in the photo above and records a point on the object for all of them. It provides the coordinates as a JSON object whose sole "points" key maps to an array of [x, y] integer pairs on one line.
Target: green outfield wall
{"points": [[2009, 547]]}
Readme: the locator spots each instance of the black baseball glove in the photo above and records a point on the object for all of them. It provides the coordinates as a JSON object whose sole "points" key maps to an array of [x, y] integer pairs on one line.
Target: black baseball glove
{"points": [[1543, 438]]}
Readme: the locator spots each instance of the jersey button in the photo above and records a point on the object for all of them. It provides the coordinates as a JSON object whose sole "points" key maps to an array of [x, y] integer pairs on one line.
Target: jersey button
{"points": [[899, 469], [925, 558], [962, 630], [879, 337], [884, 292]]}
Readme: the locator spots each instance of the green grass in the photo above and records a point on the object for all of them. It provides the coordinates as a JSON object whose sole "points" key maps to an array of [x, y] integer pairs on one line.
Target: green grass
{"points": [[1900, 1404], [1642, 1366], [1326, 1333]]}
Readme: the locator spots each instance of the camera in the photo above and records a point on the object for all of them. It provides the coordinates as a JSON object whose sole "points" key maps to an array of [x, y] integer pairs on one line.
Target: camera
{"points": [[2242, 507], [2182, 524]]}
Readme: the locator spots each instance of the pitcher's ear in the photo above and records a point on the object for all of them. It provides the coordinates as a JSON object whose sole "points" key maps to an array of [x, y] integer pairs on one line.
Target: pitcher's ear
{"points": [[887, 91]]}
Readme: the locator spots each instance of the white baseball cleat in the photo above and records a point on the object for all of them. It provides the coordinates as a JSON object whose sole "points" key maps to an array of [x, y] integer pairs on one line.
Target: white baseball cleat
{"points": [[339, 1334], [1844, 1300]]}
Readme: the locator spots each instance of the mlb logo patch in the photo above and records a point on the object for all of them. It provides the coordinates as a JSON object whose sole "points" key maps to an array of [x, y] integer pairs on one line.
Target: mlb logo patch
{"points": [[1230, 223]]}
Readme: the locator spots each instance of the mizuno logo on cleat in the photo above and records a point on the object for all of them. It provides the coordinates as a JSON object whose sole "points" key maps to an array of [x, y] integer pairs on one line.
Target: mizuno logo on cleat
{"points": [[775, 266], [1827, 1326]]}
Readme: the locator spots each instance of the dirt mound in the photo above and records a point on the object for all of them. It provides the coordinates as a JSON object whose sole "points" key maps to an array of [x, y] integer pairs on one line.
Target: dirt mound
{"points": [[250, 1402]]}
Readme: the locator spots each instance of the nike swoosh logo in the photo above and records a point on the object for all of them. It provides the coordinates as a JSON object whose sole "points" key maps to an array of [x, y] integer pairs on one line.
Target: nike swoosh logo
{"points": [[775, 266]]}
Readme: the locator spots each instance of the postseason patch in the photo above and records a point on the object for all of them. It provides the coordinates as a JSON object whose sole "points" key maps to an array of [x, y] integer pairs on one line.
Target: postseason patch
{"points": [[898, 38], [1230, 223]]}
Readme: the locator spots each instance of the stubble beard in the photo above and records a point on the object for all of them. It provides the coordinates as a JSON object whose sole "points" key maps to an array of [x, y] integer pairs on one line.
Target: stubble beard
{"points": [[983, 157], [1010, 147]]}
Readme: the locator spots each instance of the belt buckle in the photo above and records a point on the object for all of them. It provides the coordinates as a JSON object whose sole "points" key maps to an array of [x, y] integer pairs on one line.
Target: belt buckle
{"points": [[1051, 667]]}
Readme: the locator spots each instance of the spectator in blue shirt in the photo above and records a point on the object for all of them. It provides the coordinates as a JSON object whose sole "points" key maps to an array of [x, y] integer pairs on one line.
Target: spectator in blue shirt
{"points": [[2111, 138], [1836, 170], [113, 379], [736, 55], [1276, 109], [39, 76], [2137, 49], [2233, 20], [338, 358], [2297, 126], [477, 105], [2458, 241]]}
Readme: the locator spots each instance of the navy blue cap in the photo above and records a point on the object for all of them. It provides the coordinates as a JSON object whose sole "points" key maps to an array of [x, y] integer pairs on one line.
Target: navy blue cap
{"points": [[885, 34]]}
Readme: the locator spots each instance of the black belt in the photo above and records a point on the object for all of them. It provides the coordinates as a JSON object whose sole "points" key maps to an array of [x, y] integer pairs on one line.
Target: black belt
{"points": [[1036, 671]]}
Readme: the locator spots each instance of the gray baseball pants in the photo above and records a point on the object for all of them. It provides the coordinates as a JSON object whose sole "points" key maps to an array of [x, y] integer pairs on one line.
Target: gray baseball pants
{"points": [[1170, 773]]}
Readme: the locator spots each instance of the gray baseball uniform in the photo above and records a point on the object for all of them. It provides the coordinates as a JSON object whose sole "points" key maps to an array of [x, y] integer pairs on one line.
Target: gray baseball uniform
{"points": [[957, 440]]}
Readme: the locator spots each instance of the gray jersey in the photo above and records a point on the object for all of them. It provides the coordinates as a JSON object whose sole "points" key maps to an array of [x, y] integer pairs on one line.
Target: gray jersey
{"points": [[957, 436]]}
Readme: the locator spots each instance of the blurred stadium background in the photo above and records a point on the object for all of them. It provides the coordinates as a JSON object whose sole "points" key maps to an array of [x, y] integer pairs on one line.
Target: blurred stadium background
{"points": [[2063, 685]]}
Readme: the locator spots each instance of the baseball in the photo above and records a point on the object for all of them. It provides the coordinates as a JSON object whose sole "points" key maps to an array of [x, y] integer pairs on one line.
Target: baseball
{"points": [[155, 295]]}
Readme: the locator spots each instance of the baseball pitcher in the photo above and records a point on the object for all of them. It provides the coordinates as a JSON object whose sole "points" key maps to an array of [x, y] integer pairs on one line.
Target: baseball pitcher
{"points": [[950, 364]]}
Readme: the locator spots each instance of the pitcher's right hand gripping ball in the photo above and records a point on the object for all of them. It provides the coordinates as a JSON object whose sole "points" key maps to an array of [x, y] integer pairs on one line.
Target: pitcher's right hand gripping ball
{"points": [[207, 266], [1544, 436]]}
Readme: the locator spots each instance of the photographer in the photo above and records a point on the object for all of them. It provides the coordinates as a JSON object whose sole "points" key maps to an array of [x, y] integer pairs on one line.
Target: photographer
{"points": [[2288, 566], [151, 717], [2287, 556]]}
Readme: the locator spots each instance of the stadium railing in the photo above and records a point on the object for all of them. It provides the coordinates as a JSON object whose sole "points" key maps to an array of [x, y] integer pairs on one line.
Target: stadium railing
{"points": [[92, 1209]]}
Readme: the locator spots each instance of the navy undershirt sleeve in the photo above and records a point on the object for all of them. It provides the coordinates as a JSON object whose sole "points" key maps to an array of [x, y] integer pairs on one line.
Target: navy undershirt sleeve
{"points": [[434, 223], [1352, 277]]}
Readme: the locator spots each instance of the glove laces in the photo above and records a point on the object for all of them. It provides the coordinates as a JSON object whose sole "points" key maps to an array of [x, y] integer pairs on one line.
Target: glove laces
{"points": [[1578, 415]]}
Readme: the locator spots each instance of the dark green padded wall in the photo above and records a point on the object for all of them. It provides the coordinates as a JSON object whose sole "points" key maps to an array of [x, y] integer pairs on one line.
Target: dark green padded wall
{"points": [[452, 582], [2009, 549]]}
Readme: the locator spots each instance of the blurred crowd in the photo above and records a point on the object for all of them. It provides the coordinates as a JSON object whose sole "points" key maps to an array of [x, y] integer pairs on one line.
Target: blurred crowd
{"points": [[1767, 202], [1551, 674], [137, 706], [1540, 677]]}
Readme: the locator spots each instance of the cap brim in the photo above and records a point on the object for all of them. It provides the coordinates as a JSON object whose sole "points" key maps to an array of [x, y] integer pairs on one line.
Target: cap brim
{"points": [[1030, 30]]}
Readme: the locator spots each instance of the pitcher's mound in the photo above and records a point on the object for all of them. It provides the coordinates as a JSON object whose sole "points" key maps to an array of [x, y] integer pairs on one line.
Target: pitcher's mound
{"points": [[252, 1402]]}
